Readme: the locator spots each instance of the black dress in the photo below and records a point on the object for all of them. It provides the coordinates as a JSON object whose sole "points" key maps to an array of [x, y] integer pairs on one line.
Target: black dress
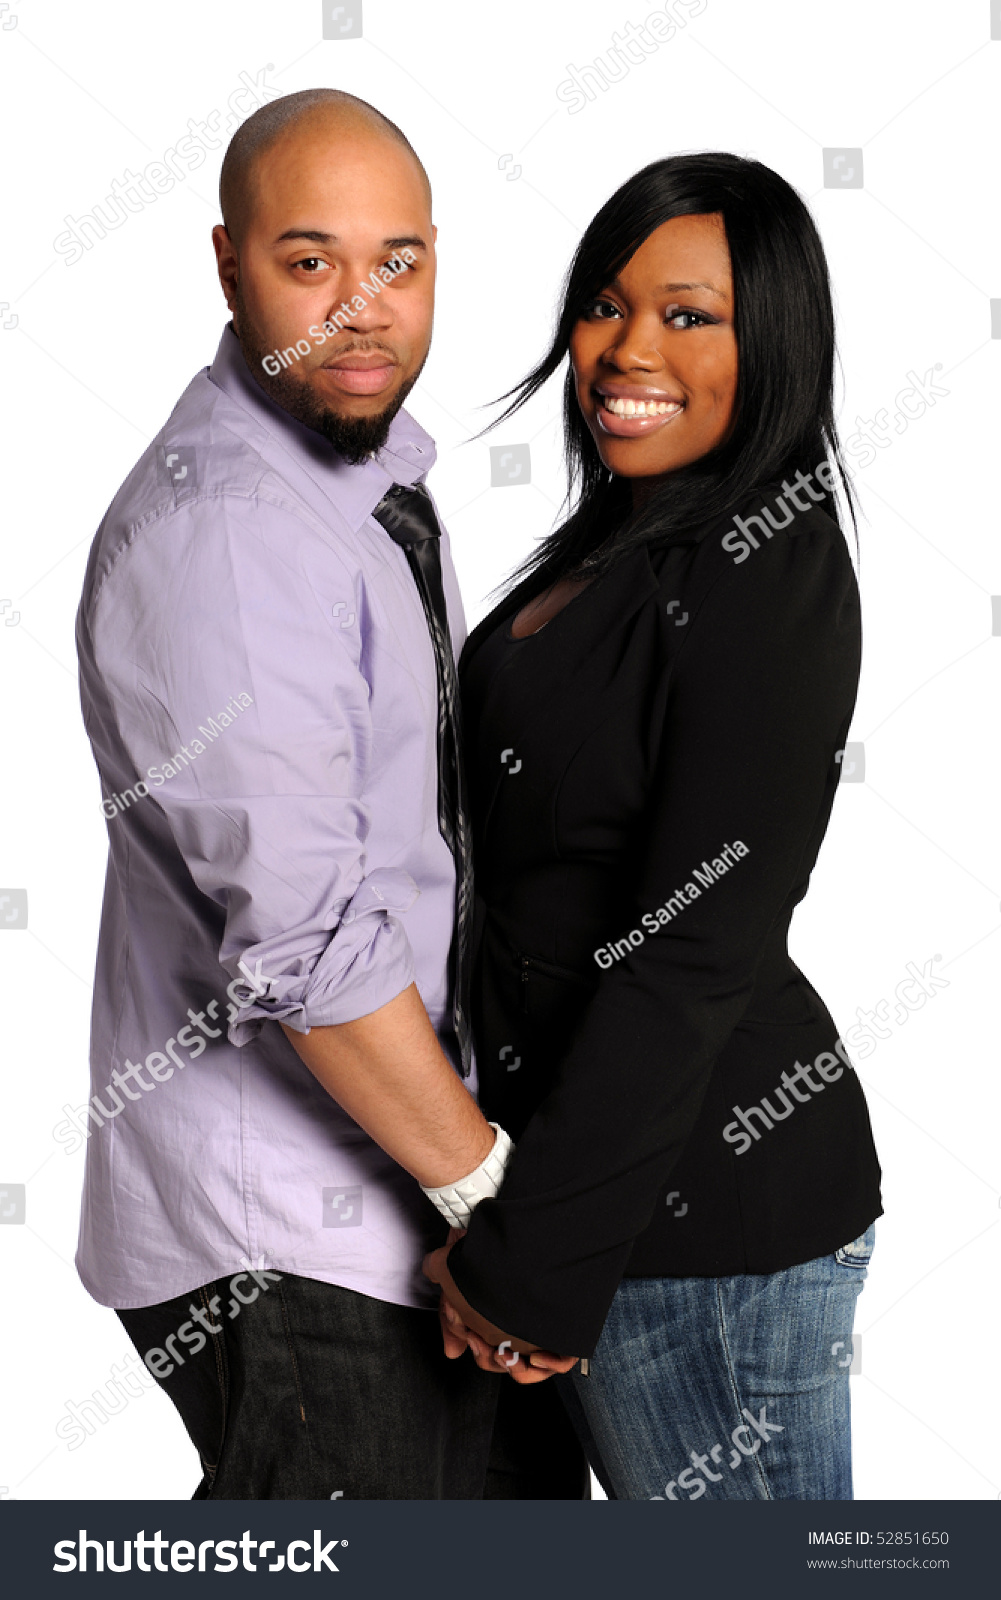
{"points": [[651, 776]]}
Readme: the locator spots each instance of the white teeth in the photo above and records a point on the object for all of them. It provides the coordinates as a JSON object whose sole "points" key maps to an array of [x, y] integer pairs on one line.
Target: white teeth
{"points": [[640, 408]]}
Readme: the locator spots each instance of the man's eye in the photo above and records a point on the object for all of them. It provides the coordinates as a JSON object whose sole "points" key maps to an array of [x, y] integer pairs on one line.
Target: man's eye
{"points": [[311, 264]]}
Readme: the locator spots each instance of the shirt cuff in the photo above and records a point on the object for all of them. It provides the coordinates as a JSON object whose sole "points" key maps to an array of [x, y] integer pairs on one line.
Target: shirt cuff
{"points": [[366, 963]]}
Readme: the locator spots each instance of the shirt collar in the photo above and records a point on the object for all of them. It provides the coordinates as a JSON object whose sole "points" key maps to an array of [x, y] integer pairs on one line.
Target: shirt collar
{"points": [[407, 455]]}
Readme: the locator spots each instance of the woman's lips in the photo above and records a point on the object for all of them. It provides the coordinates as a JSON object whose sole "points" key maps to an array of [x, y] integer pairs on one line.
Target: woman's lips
{"points": [[629, 418], [356, 375]]}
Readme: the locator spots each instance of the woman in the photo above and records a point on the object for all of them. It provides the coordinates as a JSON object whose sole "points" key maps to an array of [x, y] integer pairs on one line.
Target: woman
{"points": [[655, 716]]}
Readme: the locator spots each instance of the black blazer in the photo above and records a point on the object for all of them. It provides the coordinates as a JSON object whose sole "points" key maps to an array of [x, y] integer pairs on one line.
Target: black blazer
{"points": [[652, 775]]}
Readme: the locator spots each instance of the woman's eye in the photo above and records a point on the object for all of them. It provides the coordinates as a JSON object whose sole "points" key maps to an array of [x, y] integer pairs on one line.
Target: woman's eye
{"points": [[602, 310], [311, 263], [687, 319]]}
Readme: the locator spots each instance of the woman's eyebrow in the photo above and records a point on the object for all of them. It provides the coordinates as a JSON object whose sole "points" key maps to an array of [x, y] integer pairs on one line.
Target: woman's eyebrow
{"points": [[672, 287]]}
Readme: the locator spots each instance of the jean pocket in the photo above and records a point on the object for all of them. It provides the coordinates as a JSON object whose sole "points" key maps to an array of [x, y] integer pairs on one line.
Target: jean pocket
{"points": [[858, 1253]]}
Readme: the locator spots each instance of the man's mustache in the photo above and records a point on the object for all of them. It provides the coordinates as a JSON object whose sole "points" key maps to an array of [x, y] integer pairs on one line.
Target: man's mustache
{"points": [[365, 349]]}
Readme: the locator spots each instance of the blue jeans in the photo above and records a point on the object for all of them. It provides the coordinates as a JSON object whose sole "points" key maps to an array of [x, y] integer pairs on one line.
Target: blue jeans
{"points": [[733, 1388]]}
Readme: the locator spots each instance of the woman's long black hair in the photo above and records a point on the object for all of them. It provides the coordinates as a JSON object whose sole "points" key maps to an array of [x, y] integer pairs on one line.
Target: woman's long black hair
{"points": [[784, 326]]}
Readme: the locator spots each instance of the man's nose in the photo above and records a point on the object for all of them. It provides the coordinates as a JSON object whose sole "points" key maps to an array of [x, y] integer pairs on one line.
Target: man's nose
{"points": [[364, 314]]}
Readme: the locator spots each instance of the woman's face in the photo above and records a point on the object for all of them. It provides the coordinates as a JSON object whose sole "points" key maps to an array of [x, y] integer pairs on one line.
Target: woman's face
{"points": [[655, 357]]}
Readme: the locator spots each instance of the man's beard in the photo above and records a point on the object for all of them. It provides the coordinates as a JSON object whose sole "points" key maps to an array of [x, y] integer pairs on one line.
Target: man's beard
{"points": [[354, 438]]}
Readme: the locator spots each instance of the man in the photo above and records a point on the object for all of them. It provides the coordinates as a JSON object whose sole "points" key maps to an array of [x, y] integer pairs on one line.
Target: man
{"points": [[265, 640]]}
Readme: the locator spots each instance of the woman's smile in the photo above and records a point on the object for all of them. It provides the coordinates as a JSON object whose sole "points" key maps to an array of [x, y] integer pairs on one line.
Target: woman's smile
{"points": [[629, 410]]}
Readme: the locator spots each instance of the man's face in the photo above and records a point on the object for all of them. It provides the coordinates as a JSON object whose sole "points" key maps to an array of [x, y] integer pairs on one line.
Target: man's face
{"points": [[331, 204]]}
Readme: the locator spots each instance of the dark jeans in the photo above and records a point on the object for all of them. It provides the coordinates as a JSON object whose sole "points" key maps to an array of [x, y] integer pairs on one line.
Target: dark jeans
{"points": [[299, 1390]]}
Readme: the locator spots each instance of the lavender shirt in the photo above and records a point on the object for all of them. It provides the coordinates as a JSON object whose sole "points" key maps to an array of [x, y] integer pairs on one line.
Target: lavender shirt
{"points": [[258, 686]]}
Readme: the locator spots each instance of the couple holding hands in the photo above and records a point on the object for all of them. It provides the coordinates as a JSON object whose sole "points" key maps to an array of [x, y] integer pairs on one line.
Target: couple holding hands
{"points": [[521, 899]]}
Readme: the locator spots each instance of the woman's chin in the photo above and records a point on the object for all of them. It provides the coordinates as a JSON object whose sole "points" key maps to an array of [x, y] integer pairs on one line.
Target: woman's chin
{"points": [[625, 461]]}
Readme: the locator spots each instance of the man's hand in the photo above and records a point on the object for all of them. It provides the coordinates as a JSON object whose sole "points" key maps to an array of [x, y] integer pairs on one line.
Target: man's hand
{"points": [[493, 1350]]}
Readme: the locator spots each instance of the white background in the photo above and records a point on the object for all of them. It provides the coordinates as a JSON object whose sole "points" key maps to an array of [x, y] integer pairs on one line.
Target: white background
{"points": [[101, 349]]}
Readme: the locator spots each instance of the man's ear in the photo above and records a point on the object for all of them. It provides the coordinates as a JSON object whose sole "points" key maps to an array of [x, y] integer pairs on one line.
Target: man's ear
{"points": [[226, 262]]}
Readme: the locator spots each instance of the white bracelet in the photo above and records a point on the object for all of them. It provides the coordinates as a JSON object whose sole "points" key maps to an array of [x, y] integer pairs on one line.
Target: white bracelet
{"points": [[458, 1201]]}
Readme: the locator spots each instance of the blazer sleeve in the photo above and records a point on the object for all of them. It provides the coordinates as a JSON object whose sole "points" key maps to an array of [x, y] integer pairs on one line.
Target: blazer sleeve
{"points": [[759, 699]]}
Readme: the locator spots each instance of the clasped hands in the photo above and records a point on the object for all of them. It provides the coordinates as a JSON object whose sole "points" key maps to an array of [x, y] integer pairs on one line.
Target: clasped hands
{"points": [[463, 1328]]}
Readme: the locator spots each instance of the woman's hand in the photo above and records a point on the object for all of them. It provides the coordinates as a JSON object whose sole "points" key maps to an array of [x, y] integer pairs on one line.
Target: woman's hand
{"points": [[493, 1351]]}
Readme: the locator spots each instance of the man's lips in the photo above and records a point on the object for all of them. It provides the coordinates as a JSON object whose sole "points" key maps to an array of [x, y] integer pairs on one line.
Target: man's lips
{"points": [[629, 411], [360, 374]]}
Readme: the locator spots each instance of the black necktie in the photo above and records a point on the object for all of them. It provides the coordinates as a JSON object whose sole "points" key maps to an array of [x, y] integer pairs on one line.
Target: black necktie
{"points": [[408, 517]]}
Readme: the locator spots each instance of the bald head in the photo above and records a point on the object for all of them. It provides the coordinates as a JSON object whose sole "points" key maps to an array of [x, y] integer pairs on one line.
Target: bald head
{"points": [[323, 113]]}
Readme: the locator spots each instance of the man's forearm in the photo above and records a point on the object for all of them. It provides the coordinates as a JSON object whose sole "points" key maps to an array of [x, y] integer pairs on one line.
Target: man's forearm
{"points": [[389, 1073]]}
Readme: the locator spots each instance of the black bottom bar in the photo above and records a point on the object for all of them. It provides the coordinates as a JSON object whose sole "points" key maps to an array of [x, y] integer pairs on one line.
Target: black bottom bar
{"points": [[510, 1550]]}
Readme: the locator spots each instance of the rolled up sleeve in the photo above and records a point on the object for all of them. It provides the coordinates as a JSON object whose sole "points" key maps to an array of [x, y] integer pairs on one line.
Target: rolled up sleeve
{"points": [[246, 713]]}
